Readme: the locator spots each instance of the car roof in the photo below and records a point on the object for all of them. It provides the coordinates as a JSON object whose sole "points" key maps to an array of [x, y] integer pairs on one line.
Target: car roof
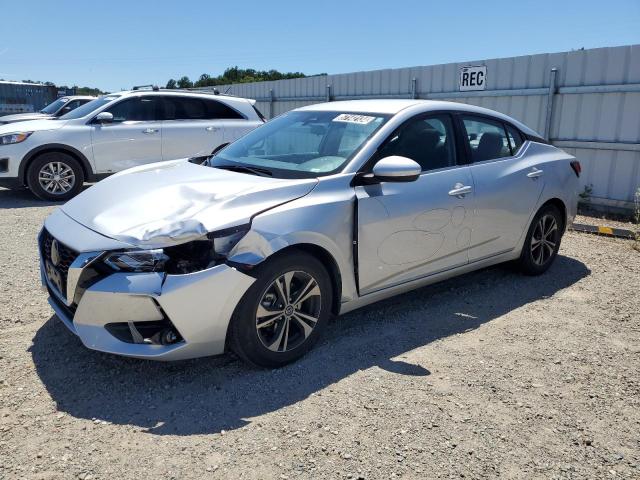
{"points": [[395, 106], [183, 93], [79, 97]]}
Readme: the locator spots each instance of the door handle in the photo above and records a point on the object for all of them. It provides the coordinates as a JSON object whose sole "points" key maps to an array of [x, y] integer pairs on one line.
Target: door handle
{"points": [[211, 129], [150, 130], [535, 173], [460, 190]]}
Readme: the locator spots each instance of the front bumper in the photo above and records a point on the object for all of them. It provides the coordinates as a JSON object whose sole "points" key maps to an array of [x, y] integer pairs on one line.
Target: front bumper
{"points": [[198, 305]]}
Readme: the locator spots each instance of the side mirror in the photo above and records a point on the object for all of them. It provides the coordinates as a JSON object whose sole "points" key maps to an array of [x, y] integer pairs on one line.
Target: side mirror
{"points": [[396, 169], [103, 117]]}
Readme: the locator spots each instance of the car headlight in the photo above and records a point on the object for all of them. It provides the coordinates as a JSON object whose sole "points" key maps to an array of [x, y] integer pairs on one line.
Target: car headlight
{"points": [[179, 259], [137, 260], [14, 138]]}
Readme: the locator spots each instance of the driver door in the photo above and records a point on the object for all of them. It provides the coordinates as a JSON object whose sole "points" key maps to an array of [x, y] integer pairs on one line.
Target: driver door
{"points": [[411, 230], [133, 138]]}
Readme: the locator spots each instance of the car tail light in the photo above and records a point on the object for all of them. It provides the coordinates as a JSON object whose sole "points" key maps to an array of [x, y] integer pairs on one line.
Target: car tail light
{"points": [[577, 168]]}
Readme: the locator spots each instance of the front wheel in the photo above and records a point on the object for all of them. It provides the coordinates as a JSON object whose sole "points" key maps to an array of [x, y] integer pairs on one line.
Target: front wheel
{"points": [[55, 176], [284, 312], [542, 242]]}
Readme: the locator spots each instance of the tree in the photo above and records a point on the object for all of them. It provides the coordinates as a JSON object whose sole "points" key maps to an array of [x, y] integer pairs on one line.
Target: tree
{"points": [[184, 82], [235, 75]]}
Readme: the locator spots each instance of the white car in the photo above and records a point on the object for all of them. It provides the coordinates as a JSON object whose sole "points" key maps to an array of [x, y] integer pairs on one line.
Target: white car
{"points": [[57, 108], [118, 131]]}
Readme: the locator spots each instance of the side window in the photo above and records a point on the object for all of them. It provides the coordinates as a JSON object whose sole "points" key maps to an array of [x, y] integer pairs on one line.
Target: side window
{"points": [[487, 138], [217, 109], [515, 139], [192, 109], [134, 110], [428, 141], [68, 107]]}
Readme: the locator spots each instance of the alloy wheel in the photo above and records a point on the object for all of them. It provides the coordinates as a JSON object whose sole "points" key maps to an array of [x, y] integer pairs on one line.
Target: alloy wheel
{"points": [[56, 178], [544, 239], [288, 311]]}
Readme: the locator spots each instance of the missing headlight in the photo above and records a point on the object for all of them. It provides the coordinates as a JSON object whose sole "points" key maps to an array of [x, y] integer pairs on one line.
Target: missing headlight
{"points": [[190, 257], [205, 253]]}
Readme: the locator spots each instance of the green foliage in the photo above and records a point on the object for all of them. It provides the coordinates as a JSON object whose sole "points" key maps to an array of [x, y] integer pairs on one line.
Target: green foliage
{"points": [[184, 82], [585, 195], [96, 92], [234, 75]]}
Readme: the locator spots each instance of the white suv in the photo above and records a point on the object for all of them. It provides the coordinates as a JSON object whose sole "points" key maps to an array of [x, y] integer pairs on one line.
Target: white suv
{"points": [[117, 131]]}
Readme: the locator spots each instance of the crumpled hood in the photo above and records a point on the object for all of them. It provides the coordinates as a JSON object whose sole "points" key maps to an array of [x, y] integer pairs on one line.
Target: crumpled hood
{"points": [[173, 202], [22, 117], [32, 126]]}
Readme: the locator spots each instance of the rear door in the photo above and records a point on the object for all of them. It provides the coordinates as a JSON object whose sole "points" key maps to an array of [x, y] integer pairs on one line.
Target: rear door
{"points": [[195, 126], [507, 184], [412, 230], [133, 138]]}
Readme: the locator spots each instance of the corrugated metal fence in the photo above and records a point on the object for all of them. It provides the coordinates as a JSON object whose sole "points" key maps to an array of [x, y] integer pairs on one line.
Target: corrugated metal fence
{"points": [[587, 102]]}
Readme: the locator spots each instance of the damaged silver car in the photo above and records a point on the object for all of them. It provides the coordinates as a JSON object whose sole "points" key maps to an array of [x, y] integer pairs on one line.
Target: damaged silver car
{"points": [[320, 211]]}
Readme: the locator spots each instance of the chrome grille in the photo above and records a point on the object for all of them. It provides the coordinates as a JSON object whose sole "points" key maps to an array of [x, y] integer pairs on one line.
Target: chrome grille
{"points": [[66, 257]]}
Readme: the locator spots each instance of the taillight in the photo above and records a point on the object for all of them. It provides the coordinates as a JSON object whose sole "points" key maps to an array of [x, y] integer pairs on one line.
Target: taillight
{"points": [[577, 168]]}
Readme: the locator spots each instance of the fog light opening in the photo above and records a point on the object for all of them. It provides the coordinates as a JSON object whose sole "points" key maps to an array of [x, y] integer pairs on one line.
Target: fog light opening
{"points": [[169, 336], [150, 333]]}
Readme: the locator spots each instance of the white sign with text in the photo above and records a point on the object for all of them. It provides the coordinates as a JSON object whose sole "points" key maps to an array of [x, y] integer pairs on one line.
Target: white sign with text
{"points": [[473, 78]]}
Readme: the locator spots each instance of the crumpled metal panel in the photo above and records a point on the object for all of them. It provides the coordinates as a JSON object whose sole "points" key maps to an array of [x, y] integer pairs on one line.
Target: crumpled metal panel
{"points": [[174, 202]]}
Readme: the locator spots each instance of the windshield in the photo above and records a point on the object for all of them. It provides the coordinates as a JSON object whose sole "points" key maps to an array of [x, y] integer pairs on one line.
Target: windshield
{"points": [[54, 106], [302, 144], [87, 108]]}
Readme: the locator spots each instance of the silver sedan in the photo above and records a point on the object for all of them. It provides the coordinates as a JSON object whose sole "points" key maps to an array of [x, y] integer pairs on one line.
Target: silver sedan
{"points": [[318, 212]]}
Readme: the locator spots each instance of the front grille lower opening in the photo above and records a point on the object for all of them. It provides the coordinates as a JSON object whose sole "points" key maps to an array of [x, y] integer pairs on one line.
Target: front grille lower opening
{"points": [[156, 332]]}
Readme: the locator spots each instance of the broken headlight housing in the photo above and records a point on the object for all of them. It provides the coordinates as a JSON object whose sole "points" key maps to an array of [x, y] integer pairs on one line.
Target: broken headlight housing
{"points": [[180, 259]]}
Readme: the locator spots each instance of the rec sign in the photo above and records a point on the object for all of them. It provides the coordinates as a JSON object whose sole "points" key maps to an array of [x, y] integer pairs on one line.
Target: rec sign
{"points": [[473, 78]]}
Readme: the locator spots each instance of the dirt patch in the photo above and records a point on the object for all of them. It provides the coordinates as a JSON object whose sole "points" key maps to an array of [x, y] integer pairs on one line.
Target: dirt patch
{"points": [[488, 375]]}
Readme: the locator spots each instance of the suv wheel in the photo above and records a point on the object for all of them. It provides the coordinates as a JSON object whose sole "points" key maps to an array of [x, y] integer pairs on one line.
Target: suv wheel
{"points": [[542, 242], [283, 313], [55, 176]]}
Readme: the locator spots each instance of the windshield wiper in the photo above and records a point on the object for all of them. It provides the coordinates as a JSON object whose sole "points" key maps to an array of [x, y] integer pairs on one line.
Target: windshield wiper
{"points": [[263, 172]]}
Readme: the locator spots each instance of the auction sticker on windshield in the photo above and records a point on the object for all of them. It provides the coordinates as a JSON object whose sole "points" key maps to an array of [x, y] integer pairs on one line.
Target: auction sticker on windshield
{"points": [[351, 118]]}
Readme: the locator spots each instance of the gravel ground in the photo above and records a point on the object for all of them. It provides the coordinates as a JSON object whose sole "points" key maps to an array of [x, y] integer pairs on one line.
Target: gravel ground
{"points": [[489, 375], [605, 221]]}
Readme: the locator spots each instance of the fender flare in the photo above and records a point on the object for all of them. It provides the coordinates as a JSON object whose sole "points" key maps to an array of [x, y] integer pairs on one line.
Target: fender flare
{"points": [[55, 147]]}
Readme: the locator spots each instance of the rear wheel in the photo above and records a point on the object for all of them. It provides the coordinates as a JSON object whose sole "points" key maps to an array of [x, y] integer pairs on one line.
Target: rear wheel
{"points": [[542, 242], [55, 176], [284, 312]]}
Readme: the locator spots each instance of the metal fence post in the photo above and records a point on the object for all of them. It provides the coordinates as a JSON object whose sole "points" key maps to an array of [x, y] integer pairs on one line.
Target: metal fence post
{"points": [[552, 91], [414, 89], [328, 93], [271, 100]]}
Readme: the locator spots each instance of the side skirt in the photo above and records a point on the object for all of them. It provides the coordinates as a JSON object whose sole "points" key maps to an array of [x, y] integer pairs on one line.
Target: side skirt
{"points": [[422, 282]]}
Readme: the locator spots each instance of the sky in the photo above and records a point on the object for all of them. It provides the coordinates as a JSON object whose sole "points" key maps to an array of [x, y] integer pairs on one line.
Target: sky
{"points": [[114, 45]]}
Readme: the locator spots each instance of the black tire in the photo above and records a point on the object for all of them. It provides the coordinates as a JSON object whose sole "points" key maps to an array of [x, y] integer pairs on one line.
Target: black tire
{"points": [[540, 249], [248, 341], [60, 162]]}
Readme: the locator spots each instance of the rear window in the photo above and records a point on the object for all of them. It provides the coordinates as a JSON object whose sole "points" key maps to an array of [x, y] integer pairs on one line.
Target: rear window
{"points": [[184, 108], [486, 138], [515, 139]]}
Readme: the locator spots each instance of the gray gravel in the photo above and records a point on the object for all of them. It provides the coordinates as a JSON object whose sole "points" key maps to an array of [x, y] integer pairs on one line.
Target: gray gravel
{"points": [[489, 375]]}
